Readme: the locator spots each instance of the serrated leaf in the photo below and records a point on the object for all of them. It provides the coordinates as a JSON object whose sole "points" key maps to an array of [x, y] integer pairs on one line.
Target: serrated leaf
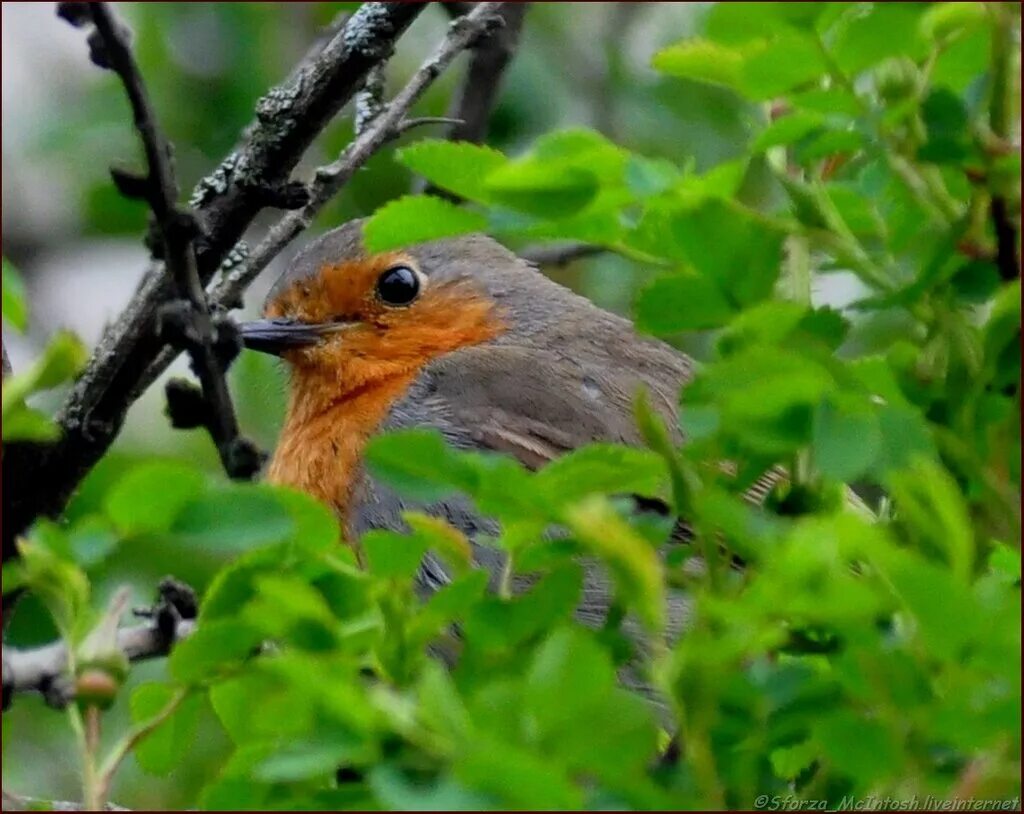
{"points": [[681, 302], [148, 498], [603, 469], [417, 463], [702, 61], [417, 219], [846, 440], [457, 166], [233, 518], [548, 189], [165, 747], [787, 129]]}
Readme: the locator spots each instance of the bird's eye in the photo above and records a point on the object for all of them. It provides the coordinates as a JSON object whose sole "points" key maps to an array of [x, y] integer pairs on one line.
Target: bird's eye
{"points": [[399, 285]]}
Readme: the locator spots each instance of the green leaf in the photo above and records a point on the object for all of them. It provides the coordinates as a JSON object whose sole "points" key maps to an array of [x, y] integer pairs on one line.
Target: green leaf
{"points": [[847, 438], [569, 673], [167, 746], [15, 311], [391, 555], [702, 61], [417, 219], [316, 757], [681, 302], [24, 423], [876, 31], [632, 561], [787, 129], [63, 357], [417, 463], [233, 518], [457, 166], [215, 646], [789, 60], [931, 505], [444, 539], [606, 469], [547, 189], [730, 245], [60, 584], [945, 20], [905, 435], [148, 498], [861, 748]]}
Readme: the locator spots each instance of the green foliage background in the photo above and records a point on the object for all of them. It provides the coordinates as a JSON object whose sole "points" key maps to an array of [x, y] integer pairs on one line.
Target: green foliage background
{"points": [[772, 149]]}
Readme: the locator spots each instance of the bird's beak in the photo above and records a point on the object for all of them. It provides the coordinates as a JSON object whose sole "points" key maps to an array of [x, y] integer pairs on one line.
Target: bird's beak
{"points": [[275, 336]]}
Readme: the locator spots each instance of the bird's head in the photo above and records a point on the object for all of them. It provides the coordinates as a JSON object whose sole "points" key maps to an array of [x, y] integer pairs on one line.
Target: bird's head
{"points": [[346, 319]]}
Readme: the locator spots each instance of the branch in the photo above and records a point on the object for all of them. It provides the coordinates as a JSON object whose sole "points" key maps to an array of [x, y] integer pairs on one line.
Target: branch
{"points": [[253, 177], [328, 180], [475, 100], [479, 91], [559, 254], [210, 351], [15, 802], [44, 669]]}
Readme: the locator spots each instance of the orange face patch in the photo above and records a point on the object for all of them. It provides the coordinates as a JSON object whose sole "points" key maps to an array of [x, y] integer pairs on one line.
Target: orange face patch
{"points": [[343, 387], [376, 341]]}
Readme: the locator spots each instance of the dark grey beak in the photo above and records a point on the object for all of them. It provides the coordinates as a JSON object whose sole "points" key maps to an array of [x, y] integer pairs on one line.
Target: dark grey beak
{"points": [[275, 336]]}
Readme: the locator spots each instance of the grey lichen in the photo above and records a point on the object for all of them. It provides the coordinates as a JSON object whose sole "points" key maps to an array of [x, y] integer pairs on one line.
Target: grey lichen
{"points": [[368, 31], [239, 254], [217, 182], [280, 99]]}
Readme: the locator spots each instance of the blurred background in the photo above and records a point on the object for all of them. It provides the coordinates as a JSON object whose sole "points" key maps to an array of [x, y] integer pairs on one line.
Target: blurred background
{"points": [[78, 243]]}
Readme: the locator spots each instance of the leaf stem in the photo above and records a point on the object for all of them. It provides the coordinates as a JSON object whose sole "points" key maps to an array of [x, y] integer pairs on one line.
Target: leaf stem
{"points": [[132, 739]]}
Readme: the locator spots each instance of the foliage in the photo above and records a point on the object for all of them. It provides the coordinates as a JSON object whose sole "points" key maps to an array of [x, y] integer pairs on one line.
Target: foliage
{"points": [[854, 653]]}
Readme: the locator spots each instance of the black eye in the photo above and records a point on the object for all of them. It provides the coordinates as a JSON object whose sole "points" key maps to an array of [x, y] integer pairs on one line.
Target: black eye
{"points": [[398, 285]]}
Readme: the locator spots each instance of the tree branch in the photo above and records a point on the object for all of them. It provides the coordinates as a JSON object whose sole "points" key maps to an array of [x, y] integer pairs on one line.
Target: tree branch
{"points": [[559, 254], [328, 180], [44, 669], [478, 94], [210, 350], [474, 102], [40, 478]]}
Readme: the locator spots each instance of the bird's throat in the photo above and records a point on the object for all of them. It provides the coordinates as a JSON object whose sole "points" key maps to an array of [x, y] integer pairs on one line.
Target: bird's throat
{"points": [[320, 450]]}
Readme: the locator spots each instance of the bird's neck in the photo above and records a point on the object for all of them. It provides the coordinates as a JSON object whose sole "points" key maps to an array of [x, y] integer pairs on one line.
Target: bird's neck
{"points": [[320, 450]]}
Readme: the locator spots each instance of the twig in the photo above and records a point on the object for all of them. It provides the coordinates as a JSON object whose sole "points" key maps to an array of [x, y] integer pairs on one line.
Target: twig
{"points": [[39, 669], [44, 669], [132, 739], [474, 102], [331, 178], [1001, 117], [478, 92], [559, 254], [40, 478], [15, 802], [177, 229]]}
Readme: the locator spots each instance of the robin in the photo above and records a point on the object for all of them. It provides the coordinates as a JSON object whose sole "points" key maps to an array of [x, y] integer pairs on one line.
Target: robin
{"points": [[459, 335]]}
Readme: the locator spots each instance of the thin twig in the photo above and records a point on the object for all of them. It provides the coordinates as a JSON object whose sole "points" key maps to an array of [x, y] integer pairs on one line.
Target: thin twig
{"points": [[477, 95], [329, 179], [40, 478], [38, 668], [1001, 117], [177, 229], [132, 739], [478, 91], [560, 254]]}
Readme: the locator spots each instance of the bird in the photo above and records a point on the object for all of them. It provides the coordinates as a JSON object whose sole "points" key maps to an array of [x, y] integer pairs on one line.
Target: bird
{"points": [[462, 336]]}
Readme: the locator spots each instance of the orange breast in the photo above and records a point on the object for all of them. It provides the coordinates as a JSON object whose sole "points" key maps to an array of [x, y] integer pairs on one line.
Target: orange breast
{"points": [[322, 454]]}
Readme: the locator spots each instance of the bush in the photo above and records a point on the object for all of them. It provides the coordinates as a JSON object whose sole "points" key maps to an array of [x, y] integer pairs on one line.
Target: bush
{"points": [[860, 650]]}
